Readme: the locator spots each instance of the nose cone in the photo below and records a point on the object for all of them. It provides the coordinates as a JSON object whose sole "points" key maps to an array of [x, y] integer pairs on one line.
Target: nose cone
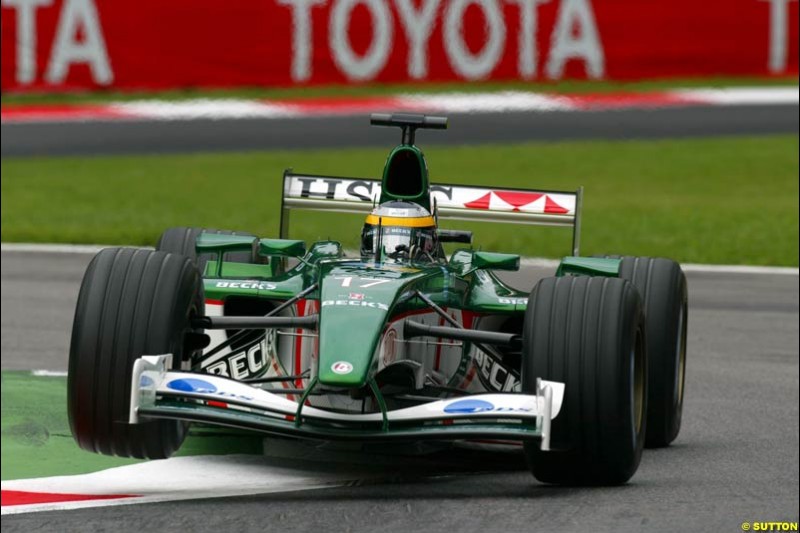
{"points": [[355, 300], [348, 334]]}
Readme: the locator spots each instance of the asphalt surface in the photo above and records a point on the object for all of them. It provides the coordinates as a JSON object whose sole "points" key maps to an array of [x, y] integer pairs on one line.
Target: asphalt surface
{"points": [[735, 460], [132, 137]]}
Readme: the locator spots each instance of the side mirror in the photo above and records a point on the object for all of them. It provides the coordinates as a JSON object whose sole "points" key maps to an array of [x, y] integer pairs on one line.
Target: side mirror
{"points": [[495, 261], [217, 243], [326, 249], [452, 235], [588, 266], [281, 247]]}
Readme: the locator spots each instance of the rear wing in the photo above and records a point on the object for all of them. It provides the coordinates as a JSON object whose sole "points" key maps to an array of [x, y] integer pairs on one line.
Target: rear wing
{"points": [[455, 202]]}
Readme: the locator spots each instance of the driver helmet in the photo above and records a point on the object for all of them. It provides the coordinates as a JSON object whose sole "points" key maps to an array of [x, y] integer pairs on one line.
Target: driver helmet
{"points": [[402, 229]]}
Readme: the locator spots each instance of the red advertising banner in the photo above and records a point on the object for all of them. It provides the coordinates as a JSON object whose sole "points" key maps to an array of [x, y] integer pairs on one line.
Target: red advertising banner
{"points": [[58, 45]]}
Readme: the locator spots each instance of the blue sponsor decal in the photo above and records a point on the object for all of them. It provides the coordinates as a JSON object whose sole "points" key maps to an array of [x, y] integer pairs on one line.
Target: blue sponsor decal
{"points": [[469, 406], [146, 381], [192, 385]]}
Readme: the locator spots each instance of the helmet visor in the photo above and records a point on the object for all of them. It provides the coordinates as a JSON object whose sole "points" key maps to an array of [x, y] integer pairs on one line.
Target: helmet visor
{"points": [[397, 241]]}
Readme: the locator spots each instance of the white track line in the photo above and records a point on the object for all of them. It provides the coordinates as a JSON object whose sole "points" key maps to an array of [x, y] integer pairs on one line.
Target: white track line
{"points": [[740, 269], [23, 247], [167, 497], [203, 109], [536, 262], [501, 102], [177, 478], [742, 95], [532, 262], [49, 373], [456, 102]]}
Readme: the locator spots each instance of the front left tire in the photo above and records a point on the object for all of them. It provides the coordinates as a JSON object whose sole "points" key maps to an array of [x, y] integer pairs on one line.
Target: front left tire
{"points": [[663, 288]]}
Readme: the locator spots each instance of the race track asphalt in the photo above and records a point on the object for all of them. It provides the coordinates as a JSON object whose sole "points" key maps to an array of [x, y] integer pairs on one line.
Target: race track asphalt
{"points": [[735, 460], [132, 137]]}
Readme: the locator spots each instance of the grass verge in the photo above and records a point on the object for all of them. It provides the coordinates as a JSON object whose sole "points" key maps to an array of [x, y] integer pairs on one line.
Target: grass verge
{"points": [[731, 200], [375, 89], [36, 439]]}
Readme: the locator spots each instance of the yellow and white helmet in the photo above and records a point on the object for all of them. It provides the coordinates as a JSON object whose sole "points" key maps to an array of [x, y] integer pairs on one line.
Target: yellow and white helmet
{"points": [[402, 230]]}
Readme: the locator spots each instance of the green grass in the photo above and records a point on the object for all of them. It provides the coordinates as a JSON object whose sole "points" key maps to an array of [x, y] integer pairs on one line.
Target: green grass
{"points": [[375, 89], [37, 442], [714, 200]]}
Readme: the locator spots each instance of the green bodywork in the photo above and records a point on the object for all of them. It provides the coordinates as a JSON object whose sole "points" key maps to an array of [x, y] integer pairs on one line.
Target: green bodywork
{"points": [[358, 296], [357, 299], [589, 266]]}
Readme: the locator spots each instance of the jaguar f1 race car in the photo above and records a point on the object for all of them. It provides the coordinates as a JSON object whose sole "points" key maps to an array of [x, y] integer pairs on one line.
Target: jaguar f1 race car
{"points": [[398, 343]]}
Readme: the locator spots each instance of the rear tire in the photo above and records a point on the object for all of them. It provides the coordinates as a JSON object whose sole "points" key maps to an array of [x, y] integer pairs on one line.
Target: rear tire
{"points": [[132, 302], [181, 240], [588, 333], [662, 286]]}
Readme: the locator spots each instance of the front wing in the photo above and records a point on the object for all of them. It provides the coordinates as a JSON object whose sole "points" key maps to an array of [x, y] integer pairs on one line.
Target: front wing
{"points": [[158, 392]]}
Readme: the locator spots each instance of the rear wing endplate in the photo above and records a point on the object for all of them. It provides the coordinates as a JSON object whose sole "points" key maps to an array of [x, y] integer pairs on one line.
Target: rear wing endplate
{"points": [[455, 202]]}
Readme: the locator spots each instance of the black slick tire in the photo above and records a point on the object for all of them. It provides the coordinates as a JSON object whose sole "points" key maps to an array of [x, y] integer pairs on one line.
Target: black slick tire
{"points": [[588, 333], [662, 286], [132, 302]]}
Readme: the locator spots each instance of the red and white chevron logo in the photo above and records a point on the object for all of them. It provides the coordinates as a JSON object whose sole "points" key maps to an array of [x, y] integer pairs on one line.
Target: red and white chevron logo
{"points": [[528, 202]]}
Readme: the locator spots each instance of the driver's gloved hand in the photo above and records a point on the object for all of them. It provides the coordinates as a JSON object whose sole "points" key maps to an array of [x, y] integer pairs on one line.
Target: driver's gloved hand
{"points": [[399, 249]]}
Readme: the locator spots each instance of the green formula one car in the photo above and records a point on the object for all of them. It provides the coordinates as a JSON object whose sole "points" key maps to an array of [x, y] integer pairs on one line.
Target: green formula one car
{"points": [[399, 343]]}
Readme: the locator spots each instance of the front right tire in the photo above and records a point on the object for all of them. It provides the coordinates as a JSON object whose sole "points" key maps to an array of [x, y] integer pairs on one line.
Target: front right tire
{"points": [[132, 302], [588, 333]]}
